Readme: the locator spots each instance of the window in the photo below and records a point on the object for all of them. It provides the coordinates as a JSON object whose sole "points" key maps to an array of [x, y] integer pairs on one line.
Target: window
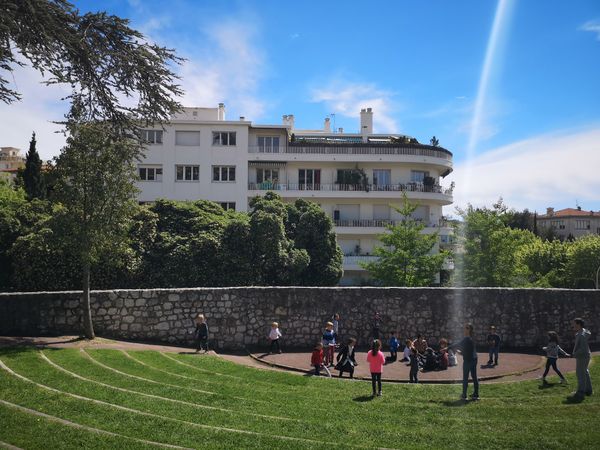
{"points": [[557, 224], [223, 138], [187, 173], [268, 144], [309, 179], [417, 176], [582, 224], [382, 177], [187, 138], [150, 173], [264, 175], [152, 136], [227, 206], [223, 173]]}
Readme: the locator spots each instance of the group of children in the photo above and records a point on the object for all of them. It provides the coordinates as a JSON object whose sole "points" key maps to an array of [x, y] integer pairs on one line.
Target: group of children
{"points": [[416, 353]]}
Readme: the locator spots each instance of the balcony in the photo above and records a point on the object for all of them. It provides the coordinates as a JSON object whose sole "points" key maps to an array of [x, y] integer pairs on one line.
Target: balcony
{"points": [[335, 187], [352, 262], [354, 149]]}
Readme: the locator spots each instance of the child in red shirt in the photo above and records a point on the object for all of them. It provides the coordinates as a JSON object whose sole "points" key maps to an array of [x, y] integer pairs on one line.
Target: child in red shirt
{"points": [[376, 360], [316, 360]]}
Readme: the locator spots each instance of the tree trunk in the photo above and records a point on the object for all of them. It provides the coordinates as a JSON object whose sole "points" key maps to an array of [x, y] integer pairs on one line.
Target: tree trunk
{"points": [[88, 326]]}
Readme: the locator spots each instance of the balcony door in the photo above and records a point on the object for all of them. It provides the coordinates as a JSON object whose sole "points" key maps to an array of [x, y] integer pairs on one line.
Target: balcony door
{"points": [[268, 144], [309, 179], [381, 213], [382, 179], [349, 215]]}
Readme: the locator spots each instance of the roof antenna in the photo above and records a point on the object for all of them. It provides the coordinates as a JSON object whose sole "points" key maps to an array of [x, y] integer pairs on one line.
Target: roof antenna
{"points": [[332, 115]]}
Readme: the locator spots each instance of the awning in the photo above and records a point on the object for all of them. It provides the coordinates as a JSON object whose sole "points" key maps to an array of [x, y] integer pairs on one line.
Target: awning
{"points": [[267, 163]]}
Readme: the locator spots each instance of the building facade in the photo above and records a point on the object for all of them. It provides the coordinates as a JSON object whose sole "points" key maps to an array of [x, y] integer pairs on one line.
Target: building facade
{"points": [[570, 222], [10, 162], [356, 178]]}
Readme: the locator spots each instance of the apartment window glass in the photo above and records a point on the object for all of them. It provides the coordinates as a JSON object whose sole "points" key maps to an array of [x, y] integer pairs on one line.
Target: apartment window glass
{"points": [[268, 144], [152, 136], [418, 176], [344, 176], [582, 224], [558, 224], [227, 206], [187, 173], [223, 137], [309, 179], [223, 173], [382, 177], [150, 173], [187, 138], [263, 175]]}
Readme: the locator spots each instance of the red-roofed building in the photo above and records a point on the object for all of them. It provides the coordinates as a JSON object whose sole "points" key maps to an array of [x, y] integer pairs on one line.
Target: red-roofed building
{"points": [[567, 222]]}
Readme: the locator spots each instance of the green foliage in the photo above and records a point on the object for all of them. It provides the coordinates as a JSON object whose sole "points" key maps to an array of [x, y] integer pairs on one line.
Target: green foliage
{"points": [[33, 180], [405, 259], [489, 255], [546, 263], [584, 261]]}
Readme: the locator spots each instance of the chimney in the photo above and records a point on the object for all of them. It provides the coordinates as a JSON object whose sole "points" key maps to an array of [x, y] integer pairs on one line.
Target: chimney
{"points": [[366, 123], [578, 208], [242, 118], [288, 120], [327, 125], [549, 211], [340, 130], [221, 112]]}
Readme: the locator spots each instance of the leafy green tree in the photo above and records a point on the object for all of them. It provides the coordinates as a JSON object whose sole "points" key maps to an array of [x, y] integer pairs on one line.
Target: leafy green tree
{"points": [[33, 180], [406, 257], [237, 253], [96, 173], [435, 142], [584, 261], [313, 232], [546, 263], [488, 248], [102, 59]]}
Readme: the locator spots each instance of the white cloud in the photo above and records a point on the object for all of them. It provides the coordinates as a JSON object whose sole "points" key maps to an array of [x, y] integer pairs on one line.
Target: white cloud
{"points": [[229, 70], [40, 105], [592, 26], [548, 170], [348, 98]]}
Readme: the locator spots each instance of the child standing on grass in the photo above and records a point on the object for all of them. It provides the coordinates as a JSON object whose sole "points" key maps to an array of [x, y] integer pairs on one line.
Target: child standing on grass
{"points": [[201, 333], [376, 360], [274, 336], [414, 365], [552, 351], [328, 343], [346, 358]]}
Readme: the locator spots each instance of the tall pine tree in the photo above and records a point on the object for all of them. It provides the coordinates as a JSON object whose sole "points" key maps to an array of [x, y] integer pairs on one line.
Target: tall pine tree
{"points": [[33, 180]]}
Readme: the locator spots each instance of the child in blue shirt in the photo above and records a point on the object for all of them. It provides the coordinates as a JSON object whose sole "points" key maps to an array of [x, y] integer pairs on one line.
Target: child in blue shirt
{"points": [[394, 344]]}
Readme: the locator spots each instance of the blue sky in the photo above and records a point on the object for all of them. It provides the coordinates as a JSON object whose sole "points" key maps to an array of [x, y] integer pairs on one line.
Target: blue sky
{"points": [[418, 64]]}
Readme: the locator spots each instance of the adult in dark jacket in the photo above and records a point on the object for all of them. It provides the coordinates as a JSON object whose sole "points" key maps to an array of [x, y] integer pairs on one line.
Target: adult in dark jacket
{"points": [[581, 352], [469, 354], [346, 358]]}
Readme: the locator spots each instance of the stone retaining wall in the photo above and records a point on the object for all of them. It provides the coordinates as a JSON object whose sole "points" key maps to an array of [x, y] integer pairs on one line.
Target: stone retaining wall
{"points": [[240, 317]]}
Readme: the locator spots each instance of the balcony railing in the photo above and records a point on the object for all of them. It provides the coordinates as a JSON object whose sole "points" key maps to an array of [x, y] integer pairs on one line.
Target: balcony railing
{"points": [[335, 187], [352, 149], [354, 260], [380, 223]]}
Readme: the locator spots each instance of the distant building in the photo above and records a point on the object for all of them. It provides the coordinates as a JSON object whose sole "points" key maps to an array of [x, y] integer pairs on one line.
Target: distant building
{"points": [[567, 222], [10, 162], [354, 177]]}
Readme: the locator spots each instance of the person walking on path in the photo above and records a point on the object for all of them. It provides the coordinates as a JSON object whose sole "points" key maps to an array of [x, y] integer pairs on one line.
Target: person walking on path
{"points": [[376, 360], [581, 353], [316, 360], [414, 366], [201, 333], [552, 351], [376, 326], [469, 354], [328, 342], [274, 335]]}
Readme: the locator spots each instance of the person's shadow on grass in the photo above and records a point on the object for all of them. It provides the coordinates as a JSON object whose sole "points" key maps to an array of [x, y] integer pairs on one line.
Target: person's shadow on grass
{"points": [[363, 398], [455, 403]]}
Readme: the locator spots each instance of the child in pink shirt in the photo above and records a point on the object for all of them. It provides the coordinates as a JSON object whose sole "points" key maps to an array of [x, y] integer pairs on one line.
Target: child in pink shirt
{"points": [[376, 360]]}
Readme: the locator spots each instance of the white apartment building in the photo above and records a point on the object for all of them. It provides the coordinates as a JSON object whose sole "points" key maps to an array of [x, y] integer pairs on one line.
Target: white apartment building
{"points": [[570, 222], [355, 177], [10, 162]]}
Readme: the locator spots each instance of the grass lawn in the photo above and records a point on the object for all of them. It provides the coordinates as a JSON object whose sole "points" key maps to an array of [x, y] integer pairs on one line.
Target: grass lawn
{"points": [[72, 398]]}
